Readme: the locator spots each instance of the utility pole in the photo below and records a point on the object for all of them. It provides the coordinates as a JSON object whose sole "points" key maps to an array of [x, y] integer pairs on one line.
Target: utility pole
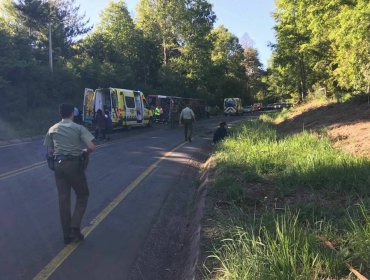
{"points": [[50, 50]]}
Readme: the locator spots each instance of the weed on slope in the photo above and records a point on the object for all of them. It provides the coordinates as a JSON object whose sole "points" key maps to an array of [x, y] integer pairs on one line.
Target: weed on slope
{"points": [[276, 200]]}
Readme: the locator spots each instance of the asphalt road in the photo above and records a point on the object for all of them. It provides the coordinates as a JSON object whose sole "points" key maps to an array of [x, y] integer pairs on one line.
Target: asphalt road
{"points": [[130, 179]]}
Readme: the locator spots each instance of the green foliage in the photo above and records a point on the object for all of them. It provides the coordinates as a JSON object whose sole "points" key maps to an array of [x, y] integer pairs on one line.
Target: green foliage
{"points": [[63, 17], [283, 248], [359, 235], [321, 46], [171, 48], [227, 74], [279, 116], [113, 52]]}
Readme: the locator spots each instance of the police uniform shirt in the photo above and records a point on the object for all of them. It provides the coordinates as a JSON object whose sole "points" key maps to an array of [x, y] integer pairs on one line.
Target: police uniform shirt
{"points": [[187, 114], [66, 136]]}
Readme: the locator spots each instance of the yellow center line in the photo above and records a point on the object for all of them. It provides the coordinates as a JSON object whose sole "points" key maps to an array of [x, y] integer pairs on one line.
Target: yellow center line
{"points": [[21, 170], [57, 261], [30, 167]]}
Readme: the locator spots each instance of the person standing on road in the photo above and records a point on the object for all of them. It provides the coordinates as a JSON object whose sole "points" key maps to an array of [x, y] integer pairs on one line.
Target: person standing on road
{"points": [[187, 118], [64, 141], [156, 114], [108, 125], [76, 115], [100, 125]]}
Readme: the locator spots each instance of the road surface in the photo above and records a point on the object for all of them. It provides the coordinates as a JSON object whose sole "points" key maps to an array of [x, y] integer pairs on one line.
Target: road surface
{"points": [[141, 188]]}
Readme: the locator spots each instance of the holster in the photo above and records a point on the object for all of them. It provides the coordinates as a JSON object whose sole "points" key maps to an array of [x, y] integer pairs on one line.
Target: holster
{"points": [[84, 160], [50, 161]]}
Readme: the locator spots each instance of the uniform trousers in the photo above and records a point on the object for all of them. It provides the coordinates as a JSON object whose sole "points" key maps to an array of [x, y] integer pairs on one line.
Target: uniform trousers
{"points": [[188, 126], [69, 174]]}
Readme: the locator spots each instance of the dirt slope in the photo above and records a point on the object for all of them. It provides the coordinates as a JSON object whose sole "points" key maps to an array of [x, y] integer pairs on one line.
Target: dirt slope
{"points": [[347, 124]]}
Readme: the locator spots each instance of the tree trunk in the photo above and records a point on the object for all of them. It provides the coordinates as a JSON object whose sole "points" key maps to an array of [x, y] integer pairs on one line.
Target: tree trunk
{"points": [[302, 78], [164, 52], [50, 50]]}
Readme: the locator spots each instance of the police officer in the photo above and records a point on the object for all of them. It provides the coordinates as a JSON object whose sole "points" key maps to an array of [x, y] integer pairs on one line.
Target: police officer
{"points": [[63, 141], [187, 118]]}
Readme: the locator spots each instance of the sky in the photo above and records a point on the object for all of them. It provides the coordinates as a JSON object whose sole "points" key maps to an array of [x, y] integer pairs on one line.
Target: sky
{"points": [[240, 17]]}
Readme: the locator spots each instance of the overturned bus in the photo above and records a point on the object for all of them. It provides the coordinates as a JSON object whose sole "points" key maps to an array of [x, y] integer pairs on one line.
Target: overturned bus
{"points": [[172, 106], [127, 108]]}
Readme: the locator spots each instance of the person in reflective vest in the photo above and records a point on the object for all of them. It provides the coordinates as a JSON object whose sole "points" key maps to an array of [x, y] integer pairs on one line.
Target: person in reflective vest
{"points": [[156, 113]]}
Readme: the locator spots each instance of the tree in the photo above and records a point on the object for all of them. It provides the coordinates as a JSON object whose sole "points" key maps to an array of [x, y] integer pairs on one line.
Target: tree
{"points": [[117, 53], [322, 46], [253, 72], [194, 59], [160, 20], [292, 36], [62, 16], [181, 28], [227, 78], [351, 39]]}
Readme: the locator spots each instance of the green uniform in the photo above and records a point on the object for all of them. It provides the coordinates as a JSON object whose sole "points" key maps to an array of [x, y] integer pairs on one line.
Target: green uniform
{"points": [[66, 139]]}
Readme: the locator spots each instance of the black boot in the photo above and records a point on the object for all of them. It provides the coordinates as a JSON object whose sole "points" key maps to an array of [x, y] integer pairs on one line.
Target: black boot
{"points": [[76, 235], [67, 240]]}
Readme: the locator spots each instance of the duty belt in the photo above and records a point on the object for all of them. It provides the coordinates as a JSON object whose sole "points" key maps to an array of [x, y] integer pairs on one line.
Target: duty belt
{"points": [[66, 157]]}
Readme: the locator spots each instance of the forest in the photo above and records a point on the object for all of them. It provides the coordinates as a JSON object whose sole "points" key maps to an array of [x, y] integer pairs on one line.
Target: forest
{"points": [[49, 52]]}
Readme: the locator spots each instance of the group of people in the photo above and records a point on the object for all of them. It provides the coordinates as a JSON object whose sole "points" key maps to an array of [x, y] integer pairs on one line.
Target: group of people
{"points": [[64, 141], [187, 117], [158, 114]]}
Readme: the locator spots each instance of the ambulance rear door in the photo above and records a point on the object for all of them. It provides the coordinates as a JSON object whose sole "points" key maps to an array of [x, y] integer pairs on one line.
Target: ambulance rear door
{"points": [[130, 108], [88, 106], [115, 112], [139, 106]]}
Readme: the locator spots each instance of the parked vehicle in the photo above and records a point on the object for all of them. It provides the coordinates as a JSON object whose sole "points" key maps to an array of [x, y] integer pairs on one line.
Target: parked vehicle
{"points": [[247, 109], [270, 107], [125, 107], [233, 106], [286, 105], [277, 106], [257, 106]]}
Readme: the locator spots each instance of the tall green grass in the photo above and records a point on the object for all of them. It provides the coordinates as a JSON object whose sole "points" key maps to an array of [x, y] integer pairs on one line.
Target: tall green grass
{"points": [[359, 235], [301, 160], [281, 249], [285, 244], [278, 116]]}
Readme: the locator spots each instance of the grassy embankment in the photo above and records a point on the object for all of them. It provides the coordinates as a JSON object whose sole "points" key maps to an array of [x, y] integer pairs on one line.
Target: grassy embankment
{"points": [[28, 124], [276, 198]]}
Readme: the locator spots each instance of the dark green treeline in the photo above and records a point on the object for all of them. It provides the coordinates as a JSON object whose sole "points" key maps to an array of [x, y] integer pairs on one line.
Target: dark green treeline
{"points": [[171, 47], [321, 46]]}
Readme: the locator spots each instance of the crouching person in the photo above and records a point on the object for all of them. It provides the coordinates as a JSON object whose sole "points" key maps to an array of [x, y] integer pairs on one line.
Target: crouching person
{"points": [[220, 133]]}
